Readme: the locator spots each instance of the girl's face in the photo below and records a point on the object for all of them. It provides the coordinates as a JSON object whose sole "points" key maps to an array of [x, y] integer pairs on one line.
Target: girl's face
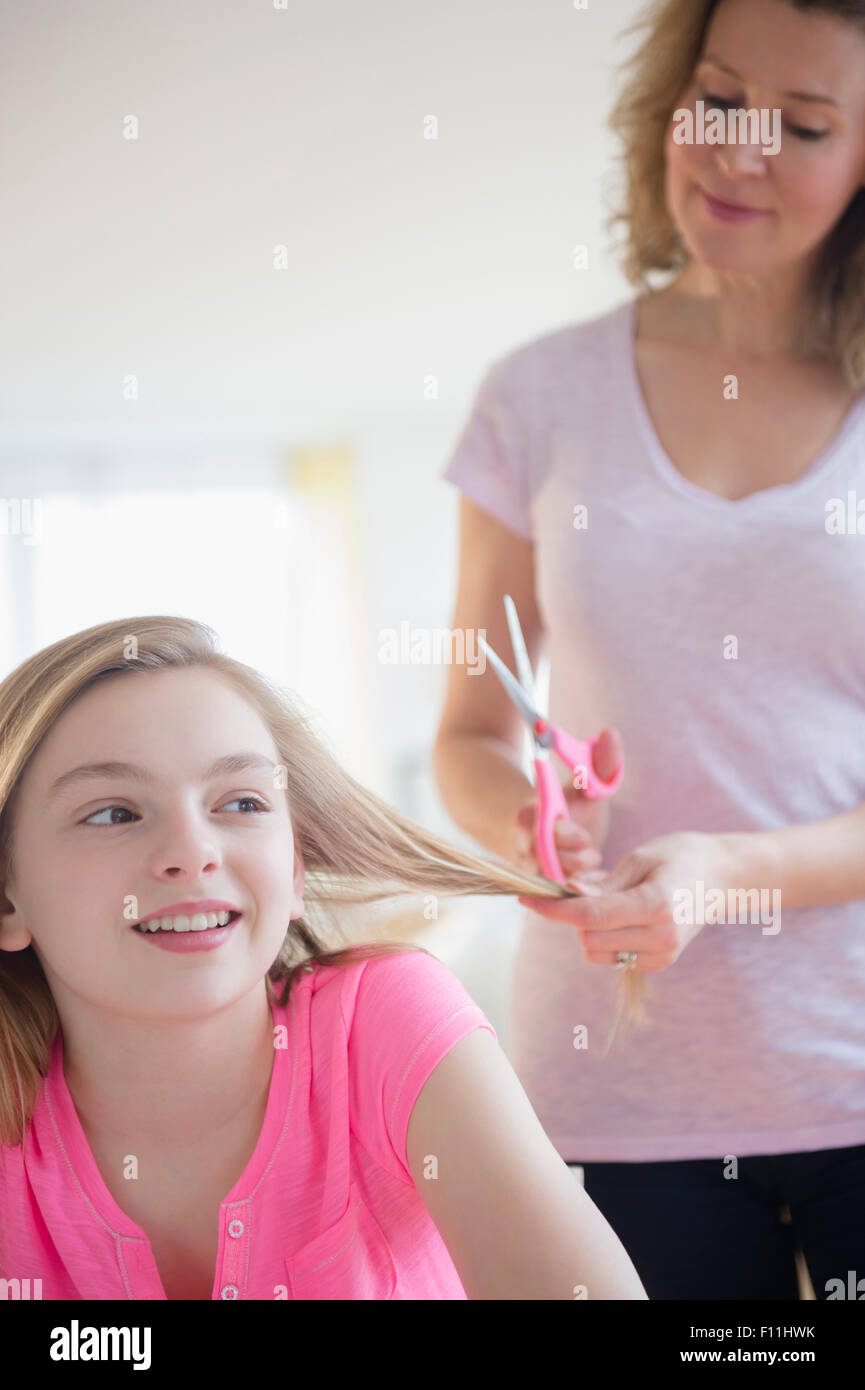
{"points": [[169, 830], [803, 189]]}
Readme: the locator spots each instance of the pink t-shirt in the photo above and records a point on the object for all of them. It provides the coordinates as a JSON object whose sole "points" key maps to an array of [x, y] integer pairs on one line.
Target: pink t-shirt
{"points": [[326, 1208], [759, 1038]]}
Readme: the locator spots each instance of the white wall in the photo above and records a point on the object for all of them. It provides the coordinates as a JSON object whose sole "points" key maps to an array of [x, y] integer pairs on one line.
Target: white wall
{"points": [[304, 127], [301, 127]]}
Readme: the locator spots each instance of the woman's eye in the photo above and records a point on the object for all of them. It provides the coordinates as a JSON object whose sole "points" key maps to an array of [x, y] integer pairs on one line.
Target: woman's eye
{"points": [[253, 801], [803, 132]]}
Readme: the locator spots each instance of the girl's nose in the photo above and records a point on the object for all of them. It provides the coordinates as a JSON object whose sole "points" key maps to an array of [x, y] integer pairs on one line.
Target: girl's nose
{"points": [[187, 849]]}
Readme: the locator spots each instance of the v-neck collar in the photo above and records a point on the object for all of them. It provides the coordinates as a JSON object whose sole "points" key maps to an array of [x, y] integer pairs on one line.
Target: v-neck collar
{"points": [[754, 502]]}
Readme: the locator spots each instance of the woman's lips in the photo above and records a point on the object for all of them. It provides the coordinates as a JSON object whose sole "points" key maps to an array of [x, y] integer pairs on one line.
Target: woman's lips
{"points": [[728, 213]]}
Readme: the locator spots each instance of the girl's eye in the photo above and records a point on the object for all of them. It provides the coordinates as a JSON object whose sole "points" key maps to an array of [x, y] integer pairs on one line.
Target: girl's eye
{"points": [[803, 132], [90, 821], [250, 801], [253, 801]]}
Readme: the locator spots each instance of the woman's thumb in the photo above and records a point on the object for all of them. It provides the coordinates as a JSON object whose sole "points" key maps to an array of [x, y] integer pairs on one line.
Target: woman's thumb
{"points": [[628, 873], [608, 754]]}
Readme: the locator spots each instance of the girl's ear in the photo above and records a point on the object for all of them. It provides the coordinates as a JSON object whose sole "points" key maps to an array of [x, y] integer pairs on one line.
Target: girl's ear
{"points": [[13, 935]]}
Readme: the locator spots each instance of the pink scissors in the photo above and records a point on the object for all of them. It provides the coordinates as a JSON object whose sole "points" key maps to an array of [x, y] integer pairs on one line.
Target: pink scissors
{"points": [[576, 753]]}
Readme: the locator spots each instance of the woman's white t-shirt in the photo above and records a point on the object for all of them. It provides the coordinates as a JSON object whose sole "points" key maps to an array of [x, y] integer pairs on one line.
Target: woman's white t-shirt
{"points": [[725, 640]]}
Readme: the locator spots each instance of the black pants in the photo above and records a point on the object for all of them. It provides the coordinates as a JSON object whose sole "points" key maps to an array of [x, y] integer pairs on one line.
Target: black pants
{"points": [[694, 1233]]}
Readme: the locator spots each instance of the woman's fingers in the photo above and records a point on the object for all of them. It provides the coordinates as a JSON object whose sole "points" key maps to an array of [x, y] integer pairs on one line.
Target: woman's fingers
{"points": [[588, 818], [602, 911], [579, 863], [627, 939], [571, 836], [572, 842]]}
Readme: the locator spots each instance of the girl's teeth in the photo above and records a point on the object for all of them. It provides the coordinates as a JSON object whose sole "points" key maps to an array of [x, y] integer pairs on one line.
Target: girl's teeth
{"points": [[200, 921]]}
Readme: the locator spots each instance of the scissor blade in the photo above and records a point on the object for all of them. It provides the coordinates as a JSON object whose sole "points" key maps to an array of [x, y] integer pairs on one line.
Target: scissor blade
{"points": [[512, 686], [524, 667]]}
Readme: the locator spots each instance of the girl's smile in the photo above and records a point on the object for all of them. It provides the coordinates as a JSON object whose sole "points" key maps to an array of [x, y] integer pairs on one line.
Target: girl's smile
{"points": [[189, 916], [187, 937]]}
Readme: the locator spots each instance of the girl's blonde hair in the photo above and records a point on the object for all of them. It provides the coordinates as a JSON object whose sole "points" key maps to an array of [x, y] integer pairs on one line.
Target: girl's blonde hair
{"points": [[662, 67], [355, 848]]}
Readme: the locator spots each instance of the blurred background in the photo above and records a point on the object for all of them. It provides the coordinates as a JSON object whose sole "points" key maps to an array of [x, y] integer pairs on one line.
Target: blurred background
{"points": [[255, 259]]}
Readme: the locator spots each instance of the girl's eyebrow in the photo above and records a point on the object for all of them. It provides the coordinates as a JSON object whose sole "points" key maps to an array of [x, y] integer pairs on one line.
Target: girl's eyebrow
{"points": [[795, 96], [89, 772]]}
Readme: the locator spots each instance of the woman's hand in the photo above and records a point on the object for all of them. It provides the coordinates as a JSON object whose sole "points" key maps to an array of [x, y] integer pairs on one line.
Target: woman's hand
{"points": [[578, 841], [631, 908]]}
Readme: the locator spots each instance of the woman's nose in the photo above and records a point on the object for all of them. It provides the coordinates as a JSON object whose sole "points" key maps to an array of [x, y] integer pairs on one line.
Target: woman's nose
{"points": [[741, 157]]}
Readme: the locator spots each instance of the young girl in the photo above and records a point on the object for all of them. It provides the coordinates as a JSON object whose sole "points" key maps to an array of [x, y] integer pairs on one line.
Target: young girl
{"points": [[198, 1099]]}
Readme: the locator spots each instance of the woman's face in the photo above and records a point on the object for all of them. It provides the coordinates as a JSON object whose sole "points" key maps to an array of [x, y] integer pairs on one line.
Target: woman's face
{"points": [[179, 832], [802, 190]]}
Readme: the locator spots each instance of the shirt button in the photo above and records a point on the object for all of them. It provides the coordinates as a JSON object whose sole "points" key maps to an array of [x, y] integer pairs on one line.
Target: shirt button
{"points": [[235, 1228], [228, 1291]]}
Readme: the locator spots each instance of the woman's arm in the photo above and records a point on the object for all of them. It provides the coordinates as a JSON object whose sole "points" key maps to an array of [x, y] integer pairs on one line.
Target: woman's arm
{"points": [[478, 750], [515, 1220], [812, 865], [477, 754]]}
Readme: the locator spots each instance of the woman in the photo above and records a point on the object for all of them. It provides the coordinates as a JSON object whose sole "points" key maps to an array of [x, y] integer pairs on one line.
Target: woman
{"points": [[659, 490]]}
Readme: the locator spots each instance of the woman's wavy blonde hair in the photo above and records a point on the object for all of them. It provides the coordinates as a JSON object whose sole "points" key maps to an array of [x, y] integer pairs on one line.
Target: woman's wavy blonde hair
{"points": [[661, 68], [355, 848]]}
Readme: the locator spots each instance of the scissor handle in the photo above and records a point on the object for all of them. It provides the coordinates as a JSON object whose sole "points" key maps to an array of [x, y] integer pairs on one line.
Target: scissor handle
{"points": [[577, 753], [551, 807]]}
